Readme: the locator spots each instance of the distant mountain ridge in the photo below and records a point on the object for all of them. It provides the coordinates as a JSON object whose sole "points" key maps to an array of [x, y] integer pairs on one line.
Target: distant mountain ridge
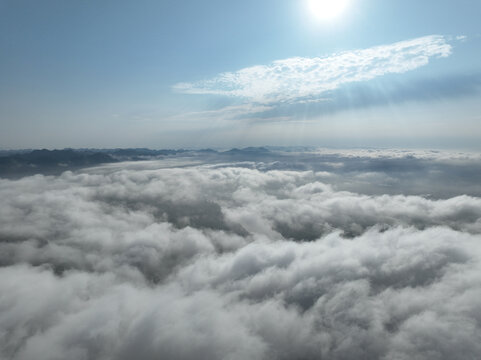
{"points": [[17, 163], [49, 161]]}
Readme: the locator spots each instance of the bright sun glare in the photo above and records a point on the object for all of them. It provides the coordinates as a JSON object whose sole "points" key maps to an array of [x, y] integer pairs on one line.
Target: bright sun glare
{"points": [[327, 9]]}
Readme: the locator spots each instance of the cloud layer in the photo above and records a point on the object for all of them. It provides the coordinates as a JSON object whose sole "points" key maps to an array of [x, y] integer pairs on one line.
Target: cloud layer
{"points": [[304, 79], [228, 262]]}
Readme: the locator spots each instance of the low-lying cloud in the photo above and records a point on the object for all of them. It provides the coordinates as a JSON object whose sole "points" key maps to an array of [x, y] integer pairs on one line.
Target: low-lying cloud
{"points": [[230, 262]]}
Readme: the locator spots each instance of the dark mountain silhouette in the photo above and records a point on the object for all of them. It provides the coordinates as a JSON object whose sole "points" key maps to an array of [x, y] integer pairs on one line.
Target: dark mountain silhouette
{"points": [[49, 161], [251, 151], [18, 163]]}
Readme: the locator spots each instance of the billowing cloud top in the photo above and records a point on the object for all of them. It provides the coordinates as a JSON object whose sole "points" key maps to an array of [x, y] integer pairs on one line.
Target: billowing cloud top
{"points": [[301, 78], [222, 261]]}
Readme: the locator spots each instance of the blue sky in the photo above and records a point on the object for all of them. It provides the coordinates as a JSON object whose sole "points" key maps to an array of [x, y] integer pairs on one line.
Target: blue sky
{"points": [[236, 73]]}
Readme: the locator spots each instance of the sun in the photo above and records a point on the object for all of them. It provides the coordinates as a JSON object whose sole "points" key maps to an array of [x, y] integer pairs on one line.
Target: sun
{"points": [[327, 9]]}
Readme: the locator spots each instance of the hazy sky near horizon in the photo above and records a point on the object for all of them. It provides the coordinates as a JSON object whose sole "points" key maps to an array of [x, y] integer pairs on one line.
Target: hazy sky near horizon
{"points": [[192, 73]]}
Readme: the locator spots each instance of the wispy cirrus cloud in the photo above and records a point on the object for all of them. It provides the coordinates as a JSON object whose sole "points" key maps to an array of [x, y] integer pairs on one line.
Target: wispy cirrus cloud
{"points": [[298, 79]]}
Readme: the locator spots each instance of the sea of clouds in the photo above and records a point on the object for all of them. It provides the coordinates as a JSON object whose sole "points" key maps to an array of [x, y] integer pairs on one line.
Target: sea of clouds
{"points": [[357, 255]]}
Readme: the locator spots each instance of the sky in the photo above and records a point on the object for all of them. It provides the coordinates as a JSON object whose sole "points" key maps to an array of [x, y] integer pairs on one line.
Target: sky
{"points": [[215, 73]]}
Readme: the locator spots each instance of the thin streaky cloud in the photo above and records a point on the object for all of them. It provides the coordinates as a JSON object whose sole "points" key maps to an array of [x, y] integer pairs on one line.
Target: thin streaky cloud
{"points": [[226, 113], [300, 78]]}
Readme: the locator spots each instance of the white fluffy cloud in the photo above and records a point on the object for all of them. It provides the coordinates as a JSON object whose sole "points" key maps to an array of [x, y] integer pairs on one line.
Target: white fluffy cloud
{"points": [[233, 263], [301, 79]]}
